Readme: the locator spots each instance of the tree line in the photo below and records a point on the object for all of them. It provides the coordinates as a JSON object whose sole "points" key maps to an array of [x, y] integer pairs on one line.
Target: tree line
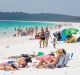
{"points": [[38, 17]]}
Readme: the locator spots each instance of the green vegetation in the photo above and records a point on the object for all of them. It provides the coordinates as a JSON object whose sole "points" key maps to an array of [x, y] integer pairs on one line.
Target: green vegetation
{"points": [[38, 17]]}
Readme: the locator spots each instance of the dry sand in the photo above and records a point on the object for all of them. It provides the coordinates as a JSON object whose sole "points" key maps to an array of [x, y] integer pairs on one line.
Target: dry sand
{"points": [[19, 45]]}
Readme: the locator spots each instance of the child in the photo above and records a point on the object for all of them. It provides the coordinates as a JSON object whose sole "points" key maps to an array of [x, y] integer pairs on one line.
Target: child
{"points": [[54, 42]]}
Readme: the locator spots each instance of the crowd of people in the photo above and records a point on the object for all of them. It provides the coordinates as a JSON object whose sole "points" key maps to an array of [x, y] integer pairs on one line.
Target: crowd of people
{"points": [[25, 32], [43, 34]]}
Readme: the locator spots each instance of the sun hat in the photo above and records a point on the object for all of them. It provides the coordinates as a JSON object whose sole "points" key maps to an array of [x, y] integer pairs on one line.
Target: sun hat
{"points": [[60, 51]]}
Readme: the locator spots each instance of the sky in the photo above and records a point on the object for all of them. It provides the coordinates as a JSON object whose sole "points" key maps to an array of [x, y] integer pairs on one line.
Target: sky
{"points": [[67, 7]]}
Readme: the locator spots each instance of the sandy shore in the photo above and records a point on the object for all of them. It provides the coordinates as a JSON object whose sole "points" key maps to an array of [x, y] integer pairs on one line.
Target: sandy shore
{"points": [[19, 45]]}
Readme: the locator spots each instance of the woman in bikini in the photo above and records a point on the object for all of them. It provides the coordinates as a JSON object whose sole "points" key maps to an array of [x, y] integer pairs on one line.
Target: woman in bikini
{"points": [[47, 34], [42, 37], [15, 65]]}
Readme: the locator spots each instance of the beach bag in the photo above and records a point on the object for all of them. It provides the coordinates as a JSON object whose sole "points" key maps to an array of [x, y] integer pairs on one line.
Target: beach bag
{"points": [[63, 60]]}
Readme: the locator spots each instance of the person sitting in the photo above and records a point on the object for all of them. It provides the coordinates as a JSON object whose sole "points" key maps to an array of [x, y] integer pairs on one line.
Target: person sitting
{"points": [[37, 36], [52, 60]]}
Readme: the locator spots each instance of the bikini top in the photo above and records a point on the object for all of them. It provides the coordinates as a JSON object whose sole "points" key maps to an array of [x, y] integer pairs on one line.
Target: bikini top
{"points": [[47, 33]]}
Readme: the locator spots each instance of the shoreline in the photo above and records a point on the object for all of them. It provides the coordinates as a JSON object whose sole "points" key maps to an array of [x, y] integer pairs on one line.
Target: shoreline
{"points": [[41, 21]]}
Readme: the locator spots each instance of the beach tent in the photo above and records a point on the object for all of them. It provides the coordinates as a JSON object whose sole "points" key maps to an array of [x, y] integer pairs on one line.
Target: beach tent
{"points": [[70, 31], [63, 36], [66, 32]]}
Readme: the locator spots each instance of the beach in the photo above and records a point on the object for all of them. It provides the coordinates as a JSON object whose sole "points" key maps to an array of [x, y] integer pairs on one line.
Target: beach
{"points": [[14, 46]]}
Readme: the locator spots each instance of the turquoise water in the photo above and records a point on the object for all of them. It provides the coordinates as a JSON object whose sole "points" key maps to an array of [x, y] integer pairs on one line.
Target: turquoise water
{"points": [[6, 24], [9, 26]]}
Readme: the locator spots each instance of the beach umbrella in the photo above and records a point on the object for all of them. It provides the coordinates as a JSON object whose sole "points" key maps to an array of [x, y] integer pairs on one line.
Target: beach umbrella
{"points": [[70, 31]]}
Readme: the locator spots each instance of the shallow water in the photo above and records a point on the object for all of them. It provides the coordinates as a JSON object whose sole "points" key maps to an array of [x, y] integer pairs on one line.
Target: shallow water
{"points": [[7, 28]]}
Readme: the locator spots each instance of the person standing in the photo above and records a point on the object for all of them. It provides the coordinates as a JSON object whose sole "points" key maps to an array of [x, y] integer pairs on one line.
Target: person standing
{"points": [[42, 37], [36, 30], [47, 34], [54, 42]]}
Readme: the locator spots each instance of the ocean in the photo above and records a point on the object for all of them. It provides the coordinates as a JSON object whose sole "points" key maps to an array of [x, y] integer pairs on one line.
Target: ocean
{"points": [[8, 26]]}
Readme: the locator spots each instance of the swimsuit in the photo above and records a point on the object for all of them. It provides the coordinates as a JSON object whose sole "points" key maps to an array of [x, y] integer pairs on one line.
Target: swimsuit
{"points": [[13, 64], [42, 37], [47, 34]]}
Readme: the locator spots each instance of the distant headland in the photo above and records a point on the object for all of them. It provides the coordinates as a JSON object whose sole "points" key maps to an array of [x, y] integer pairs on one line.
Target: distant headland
{"points": [[38, 17]]}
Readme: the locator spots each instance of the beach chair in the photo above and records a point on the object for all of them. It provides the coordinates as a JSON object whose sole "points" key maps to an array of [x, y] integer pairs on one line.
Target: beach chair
{"points": [[62, 62]]}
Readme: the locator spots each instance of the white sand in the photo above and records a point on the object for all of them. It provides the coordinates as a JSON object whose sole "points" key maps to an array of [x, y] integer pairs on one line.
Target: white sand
{"points": [[19, 45]]}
